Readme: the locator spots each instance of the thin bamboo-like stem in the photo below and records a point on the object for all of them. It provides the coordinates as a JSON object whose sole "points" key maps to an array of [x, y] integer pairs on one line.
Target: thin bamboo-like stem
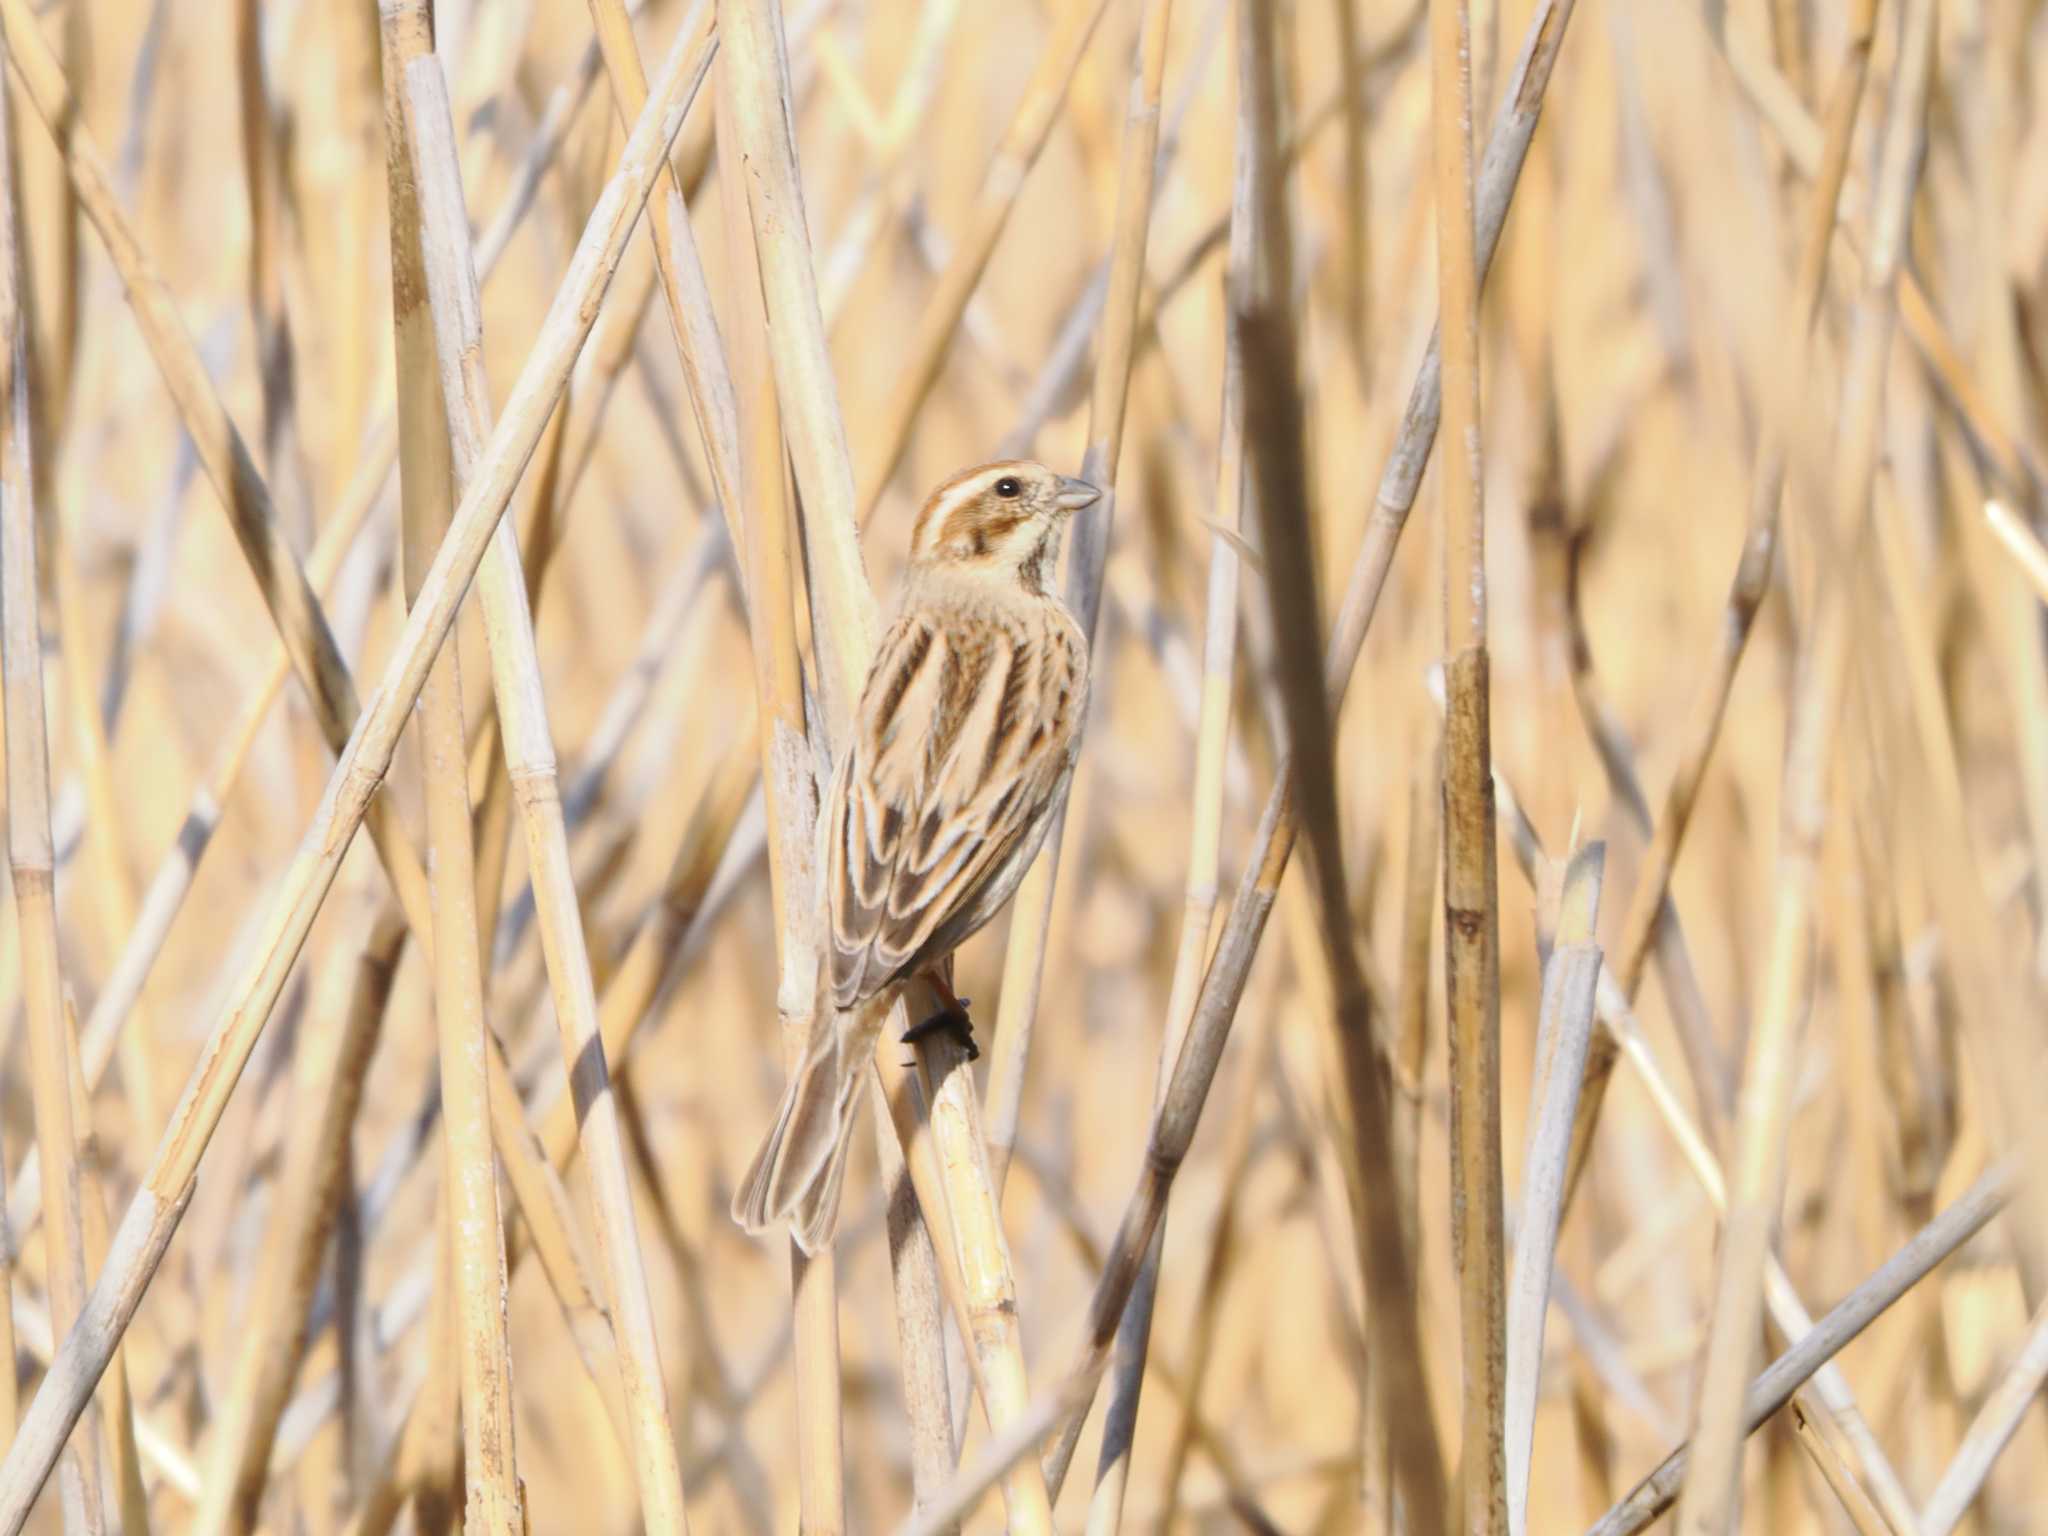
{"points": [[1771, 1390], [152, 1216], [1563, 1030], [30, 858], [494, 1503], [1856, 1504], [1198, 908], [326, 1092], [1471, 898], [1997, 1421], [164, 895], [789, 796], [1273, 843], [888, 433], [223, 454], [1832, 1399], [1649, 902], [451, 291], [1275, 452], [1713, 1491], [1024, 958], [1410, 1035], [624, 1006]]}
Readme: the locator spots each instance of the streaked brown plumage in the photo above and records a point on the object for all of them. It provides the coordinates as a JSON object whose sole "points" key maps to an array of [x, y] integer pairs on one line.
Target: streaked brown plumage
{"points": [[961, 748]]}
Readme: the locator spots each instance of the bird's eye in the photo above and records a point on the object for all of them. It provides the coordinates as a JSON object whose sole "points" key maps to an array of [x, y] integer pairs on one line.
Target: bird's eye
{"points": [[1009, 487]]}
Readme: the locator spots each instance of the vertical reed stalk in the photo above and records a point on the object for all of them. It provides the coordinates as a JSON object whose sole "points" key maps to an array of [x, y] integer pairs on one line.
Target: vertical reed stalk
{"points": [[426, 489], [1713, 1493], [152, 1217], [451, 290], [1471, 899], [30, 857]]}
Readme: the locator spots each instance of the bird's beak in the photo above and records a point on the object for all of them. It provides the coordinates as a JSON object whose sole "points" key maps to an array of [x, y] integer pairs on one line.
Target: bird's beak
{"points": [[1075, 494]]}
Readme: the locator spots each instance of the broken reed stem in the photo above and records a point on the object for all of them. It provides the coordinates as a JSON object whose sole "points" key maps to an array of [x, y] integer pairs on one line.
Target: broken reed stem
{"points": [[1088, 540], [152, 1216], [454, 310], [1273, 843], [1563, 1032], [1471, 897], [426, 494], [1651, 898], [30, 858], [1713, 1491], [1771, 1390], [888, 433]]}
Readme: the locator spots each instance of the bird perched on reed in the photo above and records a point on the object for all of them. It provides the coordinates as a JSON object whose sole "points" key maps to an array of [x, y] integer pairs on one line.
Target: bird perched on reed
{"points": [[960, 752]]}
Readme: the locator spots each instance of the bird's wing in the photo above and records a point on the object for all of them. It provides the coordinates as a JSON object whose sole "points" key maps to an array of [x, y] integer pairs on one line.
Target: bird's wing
{"points": [[964, 735]]}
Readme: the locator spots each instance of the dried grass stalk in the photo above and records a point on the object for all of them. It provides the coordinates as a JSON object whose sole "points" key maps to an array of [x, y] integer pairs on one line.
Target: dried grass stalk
{"points": [[451, 289], [152, 1216]]}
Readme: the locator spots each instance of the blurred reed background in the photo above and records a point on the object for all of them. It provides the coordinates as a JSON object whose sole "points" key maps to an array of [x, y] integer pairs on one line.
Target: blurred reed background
{"points": [[1192, 251]]}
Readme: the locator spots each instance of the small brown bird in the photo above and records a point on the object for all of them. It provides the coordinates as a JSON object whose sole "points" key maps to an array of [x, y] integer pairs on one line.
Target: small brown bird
{"points": [[962, 745]]}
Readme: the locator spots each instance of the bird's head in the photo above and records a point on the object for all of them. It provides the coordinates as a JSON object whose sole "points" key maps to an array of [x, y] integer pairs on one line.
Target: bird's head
{"points": [[999, 519]]}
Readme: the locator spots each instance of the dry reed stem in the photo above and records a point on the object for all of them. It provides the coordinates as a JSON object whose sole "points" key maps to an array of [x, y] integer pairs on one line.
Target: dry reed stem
{"points": [[1275, 448], [1471, 897], [683, 286], [1650, 901], [1564, 1029], [223, 454], [114, 897], [452, 296], [1273, 843], [30, 858], [888, 433], [152, 1216], [1212, 737], [326, 1093], [1801, 137], [427, 489], [1835, 1405], [789, 797], [1088, 541], [625, 1004], [1876, 1294], [1997, 1421], [164, 895], [1713, 1494], [1856, 1504]]}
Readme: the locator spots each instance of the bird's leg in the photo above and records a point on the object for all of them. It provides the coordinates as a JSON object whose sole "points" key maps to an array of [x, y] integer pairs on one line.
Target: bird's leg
{"points": [[951, 1016]]}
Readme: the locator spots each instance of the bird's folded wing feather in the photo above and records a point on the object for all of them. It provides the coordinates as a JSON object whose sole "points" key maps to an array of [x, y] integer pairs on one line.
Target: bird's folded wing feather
{"points": [[963, 734]]}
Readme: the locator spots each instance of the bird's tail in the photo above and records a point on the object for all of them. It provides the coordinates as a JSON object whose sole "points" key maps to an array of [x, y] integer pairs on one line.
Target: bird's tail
{"points": [[797, 1174]]}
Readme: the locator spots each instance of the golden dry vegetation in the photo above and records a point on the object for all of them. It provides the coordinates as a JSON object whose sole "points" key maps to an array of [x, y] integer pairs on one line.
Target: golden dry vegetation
{"points": [[1724, 987]]}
